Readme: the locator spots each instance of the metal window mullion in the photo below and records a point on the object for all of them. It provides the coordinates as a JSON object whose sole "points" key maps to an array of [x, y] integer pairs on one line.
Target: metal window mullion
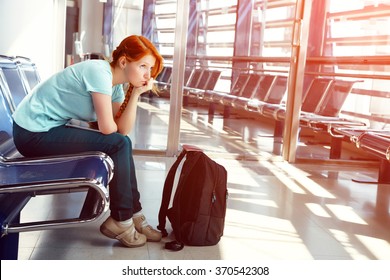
{"points": [[295, 81], [178, 69]]}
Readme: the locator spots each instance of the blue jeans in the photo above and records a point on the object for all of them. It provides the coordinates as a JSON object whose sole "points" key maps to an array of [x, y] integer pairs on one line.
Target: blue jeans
{"points": [[123, 190]]}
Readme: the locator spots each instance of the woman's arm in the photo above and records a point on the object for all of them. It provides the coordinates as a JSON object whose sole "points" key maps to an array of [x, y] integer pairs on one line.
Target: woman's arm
{"points": [[126, 120], [104, 113]]}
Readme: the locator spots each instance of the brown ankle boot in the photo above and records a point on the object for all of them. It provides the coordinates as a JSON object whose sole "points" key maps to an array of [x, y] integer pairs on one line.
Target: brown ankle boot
{"points": [[128, 236], [148, 231]]}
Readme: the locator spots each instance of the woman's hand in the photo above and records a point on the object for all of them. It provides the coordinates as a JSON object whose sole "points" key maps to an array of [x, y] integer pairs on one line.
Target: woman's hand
{"points": [[146, 87]]}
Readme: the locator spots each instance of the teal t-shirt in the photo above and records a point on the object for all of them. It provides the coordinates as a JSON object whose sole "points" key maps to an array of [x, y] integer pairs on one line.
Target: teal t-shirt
{"points": [[67, 95]]}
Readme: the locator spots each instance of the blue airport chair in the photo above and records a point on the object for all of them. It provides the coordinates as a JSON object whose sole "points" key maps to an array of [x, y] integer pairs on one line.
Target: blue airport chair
{"points": [[29, 70], [15, 80], [23, 178]]}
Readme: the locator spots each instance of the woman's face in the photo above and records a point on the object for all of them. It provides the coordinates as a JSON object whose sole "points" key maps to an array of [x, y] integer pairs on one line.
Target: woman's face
{"points": [[138, 72]]}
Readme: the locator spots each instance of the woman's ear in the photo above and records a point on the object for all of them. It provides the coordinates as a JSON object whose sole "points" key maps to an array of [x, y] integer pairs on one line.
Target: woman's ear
{"points": [[122, 62]]}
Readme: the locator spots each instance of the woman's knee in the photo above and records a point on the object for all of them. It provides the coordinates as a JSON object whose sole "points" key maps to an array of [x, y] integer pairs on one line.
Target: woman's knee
{"points": [[129, 142], [121, 141]]}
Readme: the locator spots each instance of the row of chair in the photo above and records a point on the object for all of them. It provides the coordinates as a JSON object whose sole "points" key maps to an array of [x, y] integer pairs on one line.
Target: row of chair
{"points": [[373, 141], [255, 88], [263, 94], [19, 76], [196, 82], [199, 84], [24, 178]]}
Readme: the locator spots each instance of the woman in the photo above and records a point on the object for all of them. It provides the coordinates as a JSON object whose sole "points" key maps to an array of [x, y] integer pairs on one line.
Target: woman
{"points": [[93, 91]]}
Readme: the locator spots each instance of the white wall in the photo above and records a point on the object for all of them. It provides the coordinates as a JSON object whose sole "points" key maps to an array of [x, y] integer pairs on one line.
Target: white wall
{"points": [[35, 29]]}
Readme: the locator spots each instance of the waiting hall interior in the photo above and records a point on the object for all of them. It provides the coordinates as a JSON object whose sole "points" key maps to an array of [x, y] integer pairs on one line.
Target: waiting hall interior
{"points": [[291, 97]]}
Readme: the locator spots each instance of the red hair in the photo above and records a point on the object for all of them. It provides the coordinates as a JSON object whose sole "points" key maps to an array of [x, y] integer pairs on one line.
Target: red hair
{"points": [[134, 48]]}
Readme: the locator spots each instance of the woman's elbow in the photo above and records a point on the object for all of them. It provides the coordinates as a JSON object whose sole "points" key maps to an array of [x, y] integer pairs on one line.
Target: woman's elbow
{"points": [[123, 131], [106, 132], [124, 128], [108, 129]]}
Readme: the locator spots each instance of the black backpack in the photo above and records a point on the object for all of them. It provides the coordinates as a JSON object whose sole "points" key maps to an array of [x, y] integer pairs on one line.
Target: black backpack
{"points": [[197, 215]]}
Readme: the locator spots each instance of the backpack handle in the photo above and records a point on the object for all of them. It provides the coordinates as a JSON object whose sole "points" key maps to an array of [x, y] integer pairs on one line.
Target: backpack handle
{"points": [[167, 191]]}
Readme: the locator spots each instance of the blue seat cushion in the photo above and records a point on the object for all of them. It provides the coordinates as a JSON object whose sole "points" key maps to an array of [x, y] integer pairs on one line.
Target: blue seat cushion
{"points": [[21, 173]]}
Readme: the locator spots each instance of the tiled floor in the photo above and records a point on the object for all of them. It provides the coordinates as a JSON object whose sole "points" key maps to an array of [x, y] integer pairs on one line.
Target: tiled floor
{"points": [[276, 210]]}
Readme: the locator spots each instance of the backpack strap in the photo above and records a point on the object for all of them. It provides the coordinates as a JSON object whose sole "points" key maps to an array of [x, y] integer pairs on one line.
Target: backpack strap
{"points": [[167, 191], [193, 156]]}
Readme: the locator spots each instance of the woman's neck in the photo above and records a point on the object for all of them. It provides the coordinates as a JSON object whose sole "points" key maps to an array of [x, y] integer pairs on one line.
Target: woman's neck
{"points": [[116, 76]]}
